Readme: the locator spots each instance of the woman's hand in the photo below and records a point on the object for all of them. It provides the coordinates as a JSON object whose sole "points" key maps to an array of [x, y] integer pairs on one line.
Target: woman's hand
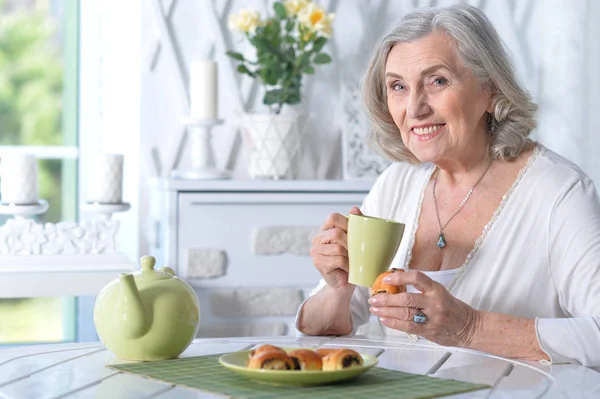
{"points": [[449, 322], [329, 250]]}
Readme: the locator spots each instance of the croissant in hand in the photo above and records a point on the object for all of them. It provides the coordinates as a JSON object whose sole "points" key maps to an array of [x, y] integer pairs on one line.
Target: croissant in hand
{"points": [[342, 359], [379, 287]]}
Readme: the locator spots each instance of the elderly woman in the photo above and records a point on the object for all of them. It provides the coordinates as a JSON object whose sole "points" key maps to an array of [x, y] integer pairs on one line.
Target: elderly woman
{"points": [[502, 242]]}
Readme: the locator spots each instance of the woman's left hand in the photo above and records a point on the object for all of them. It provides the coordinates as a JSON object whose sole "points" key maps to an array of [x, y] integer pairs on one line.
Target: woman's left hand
{"points": [[449, 321]]}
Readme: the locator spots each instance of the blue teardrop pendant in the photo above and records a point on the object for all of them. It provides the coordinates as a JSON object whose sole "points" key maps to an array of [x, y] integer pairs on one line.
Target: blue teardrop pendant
{"points": [[441, 243]]}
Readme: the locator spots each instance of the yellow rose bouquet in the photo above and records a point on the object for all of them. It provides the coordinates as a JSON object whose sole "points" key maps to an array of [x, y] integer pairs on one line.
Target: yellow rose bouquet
{"points": [[288, 45]]}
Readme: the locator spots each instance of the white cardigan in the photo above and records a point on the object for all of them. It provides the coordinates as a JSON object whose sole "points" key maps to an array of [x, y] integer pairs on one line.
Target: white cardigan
{"points": [[539, 256]]}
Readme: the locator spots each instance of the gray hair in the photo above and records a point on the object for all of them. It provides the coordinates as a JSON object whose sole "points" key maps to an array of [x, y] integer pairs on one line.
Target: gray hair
{"points": [[480, 48]]}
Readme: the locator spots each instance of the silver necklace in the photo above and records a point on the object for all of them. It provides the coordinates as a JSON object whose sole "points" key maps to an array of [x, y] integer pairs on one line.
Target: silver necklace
{"points": [[441, 242]]}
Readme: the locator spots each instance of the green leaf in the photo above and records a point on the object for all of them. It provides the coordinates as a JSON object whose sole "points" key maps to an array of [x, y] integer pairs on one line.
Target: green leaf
{"points": [[259, 44], [273, 97], [305, 60], [271, 78], [290, 55], [318, 44], [280, 11], [308, 69], [236, 56], [296, 82], [260, 30], [269, 74], [293, 97], [272, 30], [322, 58], [243, 69], [264, 45], [289, 25], [293, 100]]}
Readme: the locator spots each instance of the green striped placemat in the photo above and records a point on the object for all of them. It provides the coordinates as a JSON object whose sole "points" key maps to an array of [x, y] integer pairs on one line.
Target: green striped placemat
{"points": [[205, 373]]}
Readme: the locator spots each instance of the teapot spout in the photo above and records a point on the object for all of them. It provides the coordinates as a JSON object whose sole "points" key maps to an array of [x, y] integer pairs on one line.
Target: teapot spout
{"points": [[132, 315]]}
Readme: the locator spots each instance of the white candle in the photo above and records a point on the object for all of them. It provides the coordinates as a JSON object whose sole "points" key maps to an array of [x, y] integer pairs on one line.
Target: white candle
{"points": [[19, 179], [105, 179], [203, 89]]}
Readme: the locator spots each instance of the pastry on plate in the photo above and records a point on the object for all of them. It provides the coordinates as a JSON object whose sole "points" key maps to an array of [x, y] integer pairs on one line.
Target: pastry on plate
{"points": [[306, 359], [273, 360], [265, 348], [379, 287], [342, 358], [322, 352]]}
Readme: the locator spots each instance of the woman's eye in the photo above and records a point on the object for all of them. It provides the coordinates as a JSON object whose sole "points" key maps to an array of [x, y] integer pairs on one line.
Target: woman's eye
{"points": [[440, 81], [397, 87]]}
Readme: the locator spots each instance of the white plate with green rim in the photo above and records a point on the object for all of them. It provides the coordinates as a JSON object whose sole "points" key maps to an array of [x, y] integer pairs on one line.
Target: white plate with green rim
{"points": [[237, 361]]}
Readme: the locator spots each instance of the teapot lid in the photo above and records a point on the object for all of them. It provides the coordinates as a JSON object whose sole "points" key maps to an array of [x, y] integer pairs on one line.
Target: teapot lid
{"points": [[148, 273]]}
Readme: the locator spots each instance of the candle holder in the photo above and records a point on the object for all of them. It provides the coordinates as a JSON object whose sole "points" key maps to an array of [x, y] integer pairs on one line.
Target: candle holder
{"points": [[24, 210], [104, 210], [203, 161], [22, 235]]}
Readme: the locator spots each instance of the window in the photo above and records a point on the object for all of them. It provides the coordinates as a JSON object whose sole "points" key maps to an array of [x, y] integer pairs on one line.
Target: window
{"points": [[39, 115]]}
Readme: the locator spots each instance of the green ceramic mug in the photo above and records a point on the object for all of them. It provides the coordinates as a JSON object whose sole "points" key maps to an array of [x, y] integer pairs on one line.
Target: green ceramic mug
{"points": [[372, 245]]}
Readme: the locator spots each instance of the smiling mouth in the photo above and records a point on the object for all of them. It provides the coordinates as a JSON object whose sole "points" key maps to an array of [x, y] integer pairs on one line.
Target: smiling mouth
{"points": [[425, 131]]}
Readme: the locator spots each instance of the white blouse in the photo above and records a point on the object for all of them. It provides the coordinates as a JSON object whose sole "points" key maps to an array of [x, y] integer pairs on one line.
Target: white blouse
{"points": [[444, 277], [538, 257]]}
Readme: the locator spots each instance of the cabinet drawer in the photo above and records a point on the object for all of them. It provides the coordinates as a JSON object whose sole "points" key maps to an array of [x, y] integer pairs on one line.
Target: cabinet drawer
{"points": [[228, 222]]}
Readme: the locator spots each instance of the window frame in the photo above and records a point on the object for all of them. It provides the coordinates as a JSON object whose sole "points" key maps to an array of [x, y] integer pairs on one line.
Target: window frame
{"points": [[70, 122], [69, 276]]}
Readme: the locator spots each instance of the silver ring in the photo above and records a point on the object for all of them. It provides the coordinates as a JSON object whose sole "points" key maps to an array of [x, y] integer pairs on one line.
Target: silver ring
{"points": [[420, 317]]}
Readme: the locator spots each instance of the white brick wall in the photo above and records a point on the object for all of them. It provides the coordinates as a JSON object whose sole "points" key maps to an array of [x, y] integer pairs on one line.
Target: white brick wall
{"points": [[275, 240], [206, 263]]}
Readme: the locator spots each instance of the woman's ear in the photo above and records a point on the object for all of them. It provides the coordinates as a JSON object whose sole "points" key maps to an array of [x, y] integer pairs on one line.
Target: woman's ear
{"points": [[491, 100], [491, 104]]}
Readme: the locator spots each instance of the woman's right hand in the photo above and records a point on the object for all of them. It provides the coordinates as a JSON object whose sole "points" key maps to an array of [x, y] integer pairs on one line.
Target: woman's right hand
{"points": [[329, 250]]}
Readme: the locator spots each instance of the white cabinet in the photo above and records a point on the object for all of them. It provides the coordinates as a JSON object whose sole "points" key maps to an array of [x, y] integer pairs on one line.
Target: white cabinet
{"points": [[244, 244]]}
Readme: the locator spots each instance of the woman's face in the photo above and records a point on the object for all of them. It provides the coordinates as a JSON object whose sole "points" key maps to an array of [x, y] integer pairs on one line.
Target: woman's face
{"points": [[436, 102]]}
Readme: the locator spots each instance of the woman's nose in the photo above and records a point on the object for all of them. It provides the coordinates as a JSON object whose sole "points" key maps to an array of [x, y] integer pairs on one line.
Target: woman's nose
{"points": [[417, 106]]}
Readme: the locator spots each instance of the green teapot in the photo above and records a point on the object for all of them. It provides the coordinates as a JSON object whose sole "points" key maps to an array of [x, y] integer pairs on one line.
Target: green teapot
{"points": [[148, 315]]}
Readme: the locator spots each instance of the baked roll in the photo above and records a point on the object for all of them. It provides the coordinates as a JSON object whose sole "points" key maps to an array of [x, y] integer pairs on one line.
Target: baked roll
{"points": [[342, 359], [379, 287], [265, 348], [306, 359], [272, 360], [322, 352]]}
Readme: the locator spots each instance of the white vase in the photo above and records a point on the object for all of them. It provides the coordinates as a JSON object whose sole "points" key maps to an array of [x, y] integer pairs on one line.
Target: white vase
{"points": [[274, 142]]}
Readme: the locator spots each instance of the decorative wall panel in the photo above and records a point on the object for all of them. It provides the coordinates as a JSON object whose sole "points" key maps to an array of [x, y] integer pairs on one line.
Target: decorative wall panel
{"points": [[547, 40]]}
